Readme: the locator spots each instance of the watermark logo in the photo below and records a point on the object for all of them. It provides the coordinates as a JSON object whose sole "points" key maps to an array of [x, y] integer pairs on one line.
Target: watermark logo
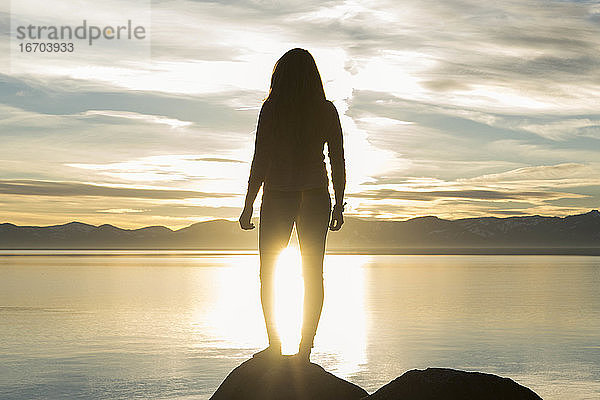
{"points": [[85, 31], [69, 36]]}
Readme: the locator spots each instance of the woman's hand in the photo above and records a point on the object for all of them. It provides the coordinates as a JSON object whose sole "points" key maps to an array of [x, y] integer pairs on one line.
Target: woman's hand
{"points": [[337, 218], [245, 218]]}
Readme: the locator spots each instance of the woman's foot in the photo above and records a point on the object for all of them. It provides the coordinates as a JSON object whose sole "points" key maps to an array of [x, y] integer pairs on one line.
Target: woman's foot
{"points": [[303, 354], [274, 350]]}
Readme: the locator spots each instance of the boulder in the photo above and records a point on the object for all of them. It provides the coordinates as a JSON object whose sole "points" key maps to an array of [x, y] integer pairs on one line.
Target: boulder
{"points": [[284, 378], [450, 384]]}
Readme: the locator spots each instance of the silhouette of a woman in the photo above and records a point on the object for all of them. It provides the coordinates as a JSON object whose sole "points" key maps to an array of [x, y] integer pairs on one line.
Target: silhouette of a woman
{"points": [[295, 122]]}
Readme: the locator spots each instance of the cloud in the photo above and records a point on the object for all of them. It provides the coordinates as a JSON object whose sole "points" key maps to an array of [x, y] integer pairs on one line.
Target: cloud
{"points": [[539, 172], [155, 119], [120, 211], [217, 159], [70, 97], [443, 85], [211, 174], [382, 121], [68, 189], [566, 128], [473, 194]]}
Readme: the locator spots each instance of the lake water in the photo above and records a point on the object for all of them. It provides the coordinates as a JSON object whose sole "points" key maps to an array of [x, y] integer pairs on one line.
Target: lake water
{"points": [[172, 325]]}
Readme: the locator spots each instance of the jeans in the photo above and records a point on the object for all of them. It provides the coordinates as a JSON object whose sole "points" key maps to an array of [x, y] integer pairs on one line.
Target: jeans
{"points": [[310, 210]]}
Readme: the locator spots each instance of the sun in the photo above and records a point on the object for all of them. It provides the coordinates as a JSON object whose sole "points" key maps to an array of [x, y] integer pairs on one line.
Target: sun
{"points": [[289, 296]]}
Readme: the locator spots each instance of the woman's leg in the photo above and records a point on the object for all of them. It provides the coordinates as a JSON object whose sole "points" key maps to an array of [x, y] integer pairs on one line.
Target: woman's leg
{"points": [[312, 224], [277, 214]]}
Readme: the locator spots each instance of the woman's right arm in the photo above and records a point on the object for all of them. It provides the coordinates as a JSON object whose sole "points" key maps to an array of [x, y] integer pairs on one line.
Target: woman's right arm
{"points": [[335, 148]]}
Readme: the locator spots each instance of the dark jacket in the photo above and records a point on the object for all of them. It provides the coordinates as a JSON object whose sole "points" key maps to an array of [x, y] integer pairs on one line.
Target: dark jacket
{"points": [[289, 160]]}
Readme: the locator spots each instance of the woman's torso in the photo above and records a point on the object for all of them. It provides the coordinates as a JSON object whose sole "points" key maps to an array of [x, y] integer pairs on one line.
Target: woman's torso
{"points": [[296, 159]]}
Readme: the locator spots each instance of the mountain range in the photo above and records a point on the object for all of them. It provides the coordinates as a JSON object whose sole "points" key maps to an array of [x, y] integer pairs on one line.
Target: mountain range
{"points": [[527, 234]]}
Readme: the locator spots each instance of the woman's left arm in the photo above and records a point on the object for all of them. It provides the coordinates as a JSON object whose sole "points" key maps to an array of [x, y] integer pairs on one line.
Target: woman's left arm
{"points": [[258, 169]]}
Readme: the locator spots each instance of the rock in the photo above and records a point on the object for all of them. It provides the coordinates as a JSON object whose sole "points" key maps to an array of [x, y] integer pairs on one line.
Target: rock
{"points": [[284, 379], [450, 384]]}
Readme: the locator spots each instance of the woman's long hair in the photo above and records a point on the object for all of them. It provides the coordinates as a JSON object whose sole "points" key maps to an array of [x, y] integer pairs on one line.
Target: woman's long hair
{"points": [[296, 95]]}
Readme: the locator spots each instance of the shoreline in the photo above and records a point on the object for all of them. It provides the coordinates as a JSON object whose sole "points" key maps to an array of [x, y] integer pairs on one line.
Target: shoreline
{"points": [[124, 252]]}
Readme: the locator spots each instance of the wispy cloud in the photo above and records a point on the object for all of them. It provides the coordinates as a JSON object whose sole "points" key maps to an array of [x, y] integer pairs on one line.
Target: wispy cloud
{"points": [[155, 119], [473, 194], [120, 211], [68, 189]]}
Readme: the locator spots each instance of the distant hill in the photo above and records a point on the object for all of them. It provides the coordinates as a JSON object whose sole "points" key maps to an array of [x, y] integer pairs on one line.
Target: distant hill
{"points": [[534, 234]]}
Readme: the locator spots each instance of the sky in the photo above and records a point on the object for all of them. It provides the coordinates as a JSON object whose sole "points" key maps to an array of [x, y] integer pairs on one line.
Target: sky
{"points": [[456, 108]]}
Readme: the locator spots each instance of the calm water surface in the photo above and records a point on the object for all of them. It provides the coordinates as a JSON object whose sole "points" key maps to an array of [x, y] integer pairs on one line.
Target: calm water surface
{"points": [[172, 325]]}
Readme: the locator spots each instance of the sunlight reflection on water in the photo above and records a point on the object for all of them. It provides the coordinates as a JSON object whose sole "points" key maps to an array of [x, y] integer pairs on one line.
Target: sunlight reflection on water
{"points": [[234, 318]]}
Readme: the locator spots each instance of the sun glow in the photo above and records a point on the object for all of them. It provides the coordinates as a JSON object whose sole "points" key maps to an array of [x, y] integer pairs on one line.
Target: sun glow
{"points": [[289, 296], [234, 318], [342, 334], [342, 329]]}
